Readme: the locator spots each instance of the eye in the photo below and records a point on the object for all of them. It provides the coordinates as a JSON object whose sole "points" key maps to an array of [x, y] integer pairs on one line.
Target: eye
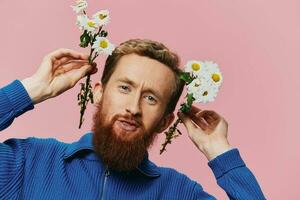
{"points": [[151, 99], [124, 88]]}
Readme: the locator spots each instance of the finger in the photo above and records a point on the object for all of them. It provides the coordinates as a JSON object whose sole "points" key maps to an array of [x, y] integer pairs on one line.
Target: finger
{"points": [[210, 117], [200, 121], [73, 65], [59, 53], [69, 65], [48, 64], [75, 75], [212, 114], [94, 70], [65, 60], [66, 68], [62, 71], [214, 120], [193, 110], [186, 120]]}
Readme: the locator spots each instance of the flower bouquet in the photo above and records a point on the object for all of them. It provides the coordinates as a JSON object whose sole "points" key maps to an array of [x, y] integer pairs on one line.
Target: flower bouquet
{"points": [[93, 35], [203, 80]]}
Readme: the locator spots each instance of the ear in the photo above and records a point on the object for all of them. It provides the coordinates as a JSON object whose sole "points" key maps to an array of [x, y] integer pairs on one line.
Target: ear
{"points": [[165, 122], [97, 92]]}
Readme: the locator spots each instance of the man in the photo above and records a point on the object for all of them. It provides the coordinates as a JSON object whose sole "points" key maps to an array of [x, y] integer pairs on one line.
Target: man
{"points": [[135, 101]]}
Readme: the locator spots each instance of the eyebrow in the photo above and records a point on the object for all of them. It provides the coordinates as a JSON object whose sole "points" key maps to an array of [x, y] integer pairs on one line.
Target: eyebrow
{"points": [[130, 82]]}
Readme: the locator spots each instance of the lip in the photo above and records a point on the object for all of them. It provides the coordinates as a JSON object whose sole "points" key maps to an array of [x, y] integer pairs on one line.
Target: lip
{"points": [[131, 122], [130, 127]]}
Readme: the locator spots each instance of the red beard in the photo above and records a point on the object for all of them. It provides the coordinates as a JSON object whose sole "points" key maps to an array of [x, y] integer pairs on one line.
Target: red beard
{"points": [[121, 152]]}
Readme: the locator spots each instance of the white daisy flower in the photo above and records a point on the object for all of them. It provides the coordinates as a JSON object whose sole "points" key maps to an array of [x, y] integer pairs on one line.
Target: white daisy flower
{"points": [[206, 93], [203, 90], [214, 73], [103, 46], [80, 6], [195, 67], [102, 17], [195, 85], [84, 23], [79, 21]]}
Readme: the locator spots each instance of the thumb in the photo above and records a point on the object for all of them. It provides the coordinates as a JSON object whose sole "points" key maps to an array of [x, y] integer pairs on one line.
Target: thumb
{"points": [[186, 121]]}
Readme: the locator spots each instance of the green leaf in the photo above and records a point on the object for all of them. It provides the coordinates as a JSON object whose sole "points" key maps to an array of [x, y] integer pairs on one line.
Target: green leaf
{"points": [[186, 76], [185, 108], [190, 99], [103, 33], [84, 39]]}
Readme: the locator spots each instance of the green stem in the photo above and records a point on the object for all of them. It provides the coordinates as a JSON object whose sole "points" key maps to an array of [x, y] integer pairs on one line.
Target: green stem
{"points": [[95, 35], [96, 55], [90, 56], [86, 91], [83, 106], [170, 135], [84, 101]]}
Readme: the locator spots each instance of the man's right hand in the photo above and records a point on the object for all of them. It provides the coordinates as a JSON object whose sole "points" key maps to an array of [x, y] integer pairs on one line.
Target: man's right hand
{"points": [[59, 71]]}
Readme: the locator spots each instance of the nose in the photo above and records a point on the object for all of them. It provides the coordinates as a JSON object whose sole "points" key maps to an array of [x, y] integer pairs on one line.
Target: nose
{"points": [[134, 105]]}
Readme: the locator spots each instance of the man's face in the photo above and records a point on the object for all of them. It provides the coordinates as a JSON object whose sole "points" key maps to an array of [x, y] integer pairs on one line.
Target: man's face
{"points": [[130, 110]]}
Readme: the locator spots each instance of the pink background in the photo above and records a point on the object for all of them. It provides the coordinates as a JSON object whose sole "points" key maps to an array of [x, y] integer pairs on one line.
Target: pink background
{"points": [[256, 44]]}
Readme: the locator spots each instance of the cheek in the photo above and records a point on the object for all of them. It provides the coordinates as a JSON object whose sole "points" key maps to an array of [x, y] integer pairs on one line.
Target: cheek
{"points": [[152, 120], [116, 102], [113, 104], [108, 107]]}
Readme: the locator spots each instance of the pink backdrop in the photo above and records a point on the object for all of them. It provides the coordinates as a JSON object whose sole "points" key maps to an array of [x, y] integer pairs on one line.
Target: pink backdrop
{"points": [[255, 42]]}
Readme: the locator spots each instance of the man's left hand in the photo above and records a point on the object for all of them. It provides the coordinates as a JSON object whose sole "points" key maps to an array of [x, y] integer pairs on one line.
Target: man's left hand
{"points": [[208, 131]]}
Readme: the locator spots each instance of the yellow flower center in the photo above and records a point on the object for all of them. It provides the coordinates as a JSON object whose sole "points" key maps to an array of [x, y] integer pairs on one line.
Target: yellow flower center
{"points": [[91, 24], [103, 44], [215, 77], [205, 93], [195, 66], [102, 16]]}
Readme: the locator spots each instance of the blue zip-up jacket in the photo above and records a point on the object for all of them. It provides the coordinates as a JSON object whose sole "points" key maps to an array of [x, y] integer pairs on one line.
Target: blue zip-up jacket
{"points": [[42, 169]]}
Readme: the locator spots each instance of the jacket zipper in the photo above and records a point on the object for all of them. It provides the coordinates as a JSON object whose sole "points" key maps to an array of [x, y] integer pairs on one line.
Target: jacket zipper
{"points": [[106, 174]]}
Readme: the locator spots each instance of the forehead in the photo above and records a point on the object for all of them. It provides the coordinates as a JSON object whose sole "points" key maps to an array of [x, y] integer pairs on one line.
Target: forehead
{"points": [[145, 71]]}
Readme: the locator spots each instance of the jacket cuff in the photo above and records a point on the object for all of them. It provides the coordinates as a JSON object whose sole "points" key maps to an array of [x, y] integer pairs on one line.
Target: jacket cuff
{"points": [[225, 162], [18, 97]]}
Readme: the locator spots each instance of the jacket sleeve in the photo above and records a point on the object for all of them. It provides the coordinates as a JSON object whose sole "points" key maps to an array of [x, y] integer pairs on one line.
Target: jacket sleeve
{"points": [[234, 177], [14, 101]]}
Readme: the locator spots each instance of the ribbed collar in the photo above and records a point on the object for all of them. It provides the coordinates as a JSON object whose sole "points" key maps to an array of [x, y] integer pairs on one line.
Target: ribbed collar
{"points": [[85, 145]]}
